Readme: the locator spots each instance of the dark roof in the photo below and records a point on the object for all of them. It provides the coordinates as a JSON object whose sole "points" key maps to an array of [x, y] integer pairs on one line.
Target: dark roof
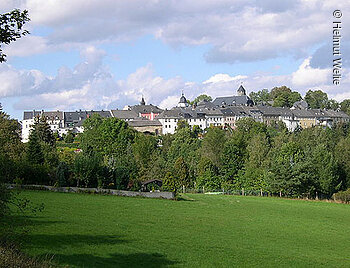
{"points": [[241, 90], [56, 115], [232, 100], [144, 123], [234, 111], [30, 115], [145, 109], [75, 117], [275, 111], [142, 102], [124, 114], [303, 113], [177, 112], [337, 114], [211, 112], [205, 104], [183, 99], [301, 104]]}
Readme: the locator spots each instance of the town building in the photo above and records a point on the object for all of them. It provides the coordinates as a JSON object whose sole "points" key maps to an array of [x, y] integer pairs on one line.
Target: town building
{"points": [[54, 119], [223, 112]]}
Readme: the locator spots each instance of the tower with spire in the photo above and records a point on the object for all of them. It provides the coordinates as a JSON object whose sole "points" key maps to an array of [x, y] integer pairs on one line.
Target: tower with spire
{"points": [[142, 102], [183, 102], [241, 91]]}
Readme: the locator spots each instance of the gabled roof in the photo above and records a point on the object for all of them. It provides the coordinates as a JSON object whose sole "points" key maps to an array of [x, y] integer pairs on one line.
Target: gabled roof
{"points": [[300, 105], [71, 117], [30, 115], [303, 113], [179, 113], [336, 114], [232, 100], [124, 114], [54, 115], [275, 111], [145, 109], [234, 111], [144, 123]]}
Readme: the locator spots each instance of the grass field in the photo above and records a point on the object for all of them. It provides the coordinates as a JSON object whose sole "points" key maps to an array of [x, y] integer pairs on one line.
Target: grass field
{"points": [[83, 230]]}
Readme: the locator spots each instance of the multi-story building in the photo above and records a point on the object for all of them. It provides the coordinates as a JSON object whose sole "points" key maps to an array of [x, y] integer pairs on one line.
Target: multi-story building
{"points": [[222, 112], [54, 119]]}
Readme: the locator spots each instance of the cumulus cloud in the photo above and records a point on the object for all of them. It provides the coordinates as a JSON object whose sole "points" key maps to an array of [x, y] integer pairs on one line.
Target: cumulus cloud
{"points": [[223, 78], [90, 85], [237, 31], [308, 76]]}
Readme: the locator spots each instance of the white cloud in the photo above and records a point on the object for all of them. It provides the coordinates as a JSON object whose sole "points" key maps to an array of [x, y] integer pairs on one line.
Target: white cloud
{"points": [[224, 78], [308, 76], [27, 46], [91, 85], [236, 30]]}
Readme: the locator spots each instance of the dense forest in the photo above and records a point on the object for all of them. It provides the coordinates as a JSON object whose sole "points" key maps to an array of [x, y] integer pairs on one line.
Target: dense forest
{"points": [[308, 162]]}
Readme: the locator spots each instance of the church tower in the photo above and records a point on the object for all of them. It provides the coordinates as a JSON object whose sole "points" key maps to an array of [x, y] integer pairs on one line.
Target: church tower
{"points": [[142, 102], [183, 102], [241, 91]]}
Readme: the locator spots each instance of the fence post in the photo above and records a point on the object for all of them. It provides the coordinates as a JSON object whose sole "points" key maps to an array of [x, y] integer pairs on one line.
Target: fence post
{"points": [[203, 190], [316, 196], [280, 193], [261, 193], [183, 188], [242, 191]]}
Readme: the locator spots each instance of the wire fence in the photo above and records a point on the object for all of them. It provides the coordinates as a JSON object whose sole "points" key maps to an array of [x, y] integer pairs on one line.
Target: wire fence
{"points": [[250, 192]]}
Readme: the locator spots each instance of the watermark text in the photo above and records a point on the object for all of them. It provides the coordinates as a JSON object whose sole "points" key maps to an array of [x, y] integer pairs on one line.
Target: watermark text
{"points": [[337, 60]]}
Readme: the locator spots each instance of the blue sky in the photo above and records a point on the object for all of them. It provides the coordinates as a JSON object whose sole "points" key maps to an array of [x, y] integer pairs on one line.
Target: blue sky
{"points": [[106, 54]]}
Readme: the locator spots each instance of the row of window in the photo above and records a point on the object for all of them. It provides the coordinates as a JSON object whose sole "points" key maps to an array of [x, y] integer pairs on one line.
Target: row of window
{"points": [[168, 126]]}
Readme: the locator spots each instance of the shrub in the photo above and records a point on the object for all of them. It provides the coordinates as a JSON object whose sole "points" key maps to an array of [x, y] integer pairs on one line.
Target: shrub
{"points": [[343, 196]]}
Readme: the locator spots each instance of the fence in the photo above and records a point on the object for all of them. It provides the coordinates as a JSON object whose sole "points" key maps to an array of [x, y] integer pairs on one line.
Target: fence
{"points": [[261, 192], [165, 195]]}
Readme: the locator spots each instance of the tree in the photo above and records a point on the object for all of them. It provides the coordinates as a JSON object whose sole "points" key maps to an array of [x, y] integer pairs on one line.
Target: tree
{"points": [[88, 169], [182, 173], [213, 144], [333, 104], [317, 99], [208, 175], [262, 97], [35, 153], [182, 124], [11, 28], [233, 157], [69, 138], [10, 140], [202, 97], [284, 96], [345, 106], [43, 131]]}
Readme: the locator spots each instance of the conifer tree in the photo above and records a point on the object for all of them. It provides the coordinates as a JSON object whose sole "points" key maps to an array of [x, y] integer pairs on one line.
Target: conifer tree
{"points": [[35, 153]]}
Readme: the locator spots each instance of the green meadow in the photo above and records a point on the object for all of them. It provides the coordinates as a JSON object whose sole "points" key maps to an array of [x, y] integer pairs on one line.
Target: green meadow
{"points": [[81, 230]]}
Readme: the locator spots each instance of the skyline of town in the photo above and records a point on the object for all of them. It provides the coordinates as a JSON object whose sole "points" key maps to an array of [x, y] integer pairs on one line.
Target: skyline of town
{"points": [[108, 55]]}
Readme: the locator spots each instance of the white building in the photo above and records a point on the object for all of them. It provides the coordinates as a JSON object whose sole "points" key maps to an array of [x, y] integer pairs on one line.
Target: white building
{"points": [[54, 119]]}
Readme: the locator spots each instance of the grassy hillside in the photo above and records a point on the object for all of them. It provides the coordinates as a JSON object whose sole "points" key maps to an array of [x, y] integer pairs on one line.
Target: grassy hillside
{"points": [[201, 231]]}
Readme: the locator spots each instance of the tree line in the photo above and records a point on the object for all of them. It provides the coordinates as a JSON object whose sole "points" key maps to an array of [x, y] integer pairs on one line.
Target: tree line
{"points": [[285, 97], [308, 162]]}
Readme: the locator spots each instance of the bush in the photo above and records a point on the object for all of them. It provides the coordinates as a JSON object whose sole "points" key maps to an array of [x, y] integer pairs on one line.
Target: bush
{"points": [[343, 196], [11, 256]]}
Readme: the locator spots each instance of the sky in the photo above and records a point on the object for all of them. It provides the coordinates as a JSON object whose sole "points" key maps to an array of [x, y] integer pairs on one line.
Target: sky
{"points": [[105, 54]]}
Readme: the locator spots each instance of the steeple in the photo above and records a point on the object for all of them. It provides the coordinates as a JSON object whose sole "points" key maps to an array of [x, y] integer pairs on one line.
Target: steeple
{"points": [[241, 91], [183, 101], [142, 102]]}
